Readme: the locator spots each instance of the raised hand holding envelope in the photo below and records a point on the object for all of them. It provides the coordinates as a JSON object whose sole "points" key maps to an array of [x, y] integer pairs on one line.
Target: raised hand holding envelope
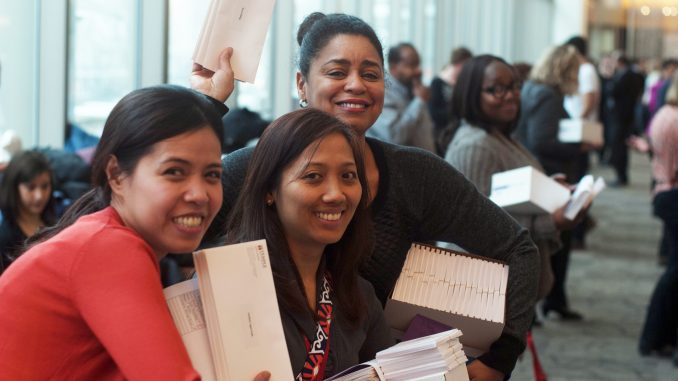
{"points": [[240, 24]]}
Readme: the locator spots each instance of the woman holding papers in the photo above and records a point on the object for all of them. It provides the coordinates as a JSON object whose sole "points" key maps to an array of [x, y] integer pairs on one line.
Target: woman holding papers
{"points": [[541, 104], [487, 101], [85, 302], [661, 323], [306, 194], [414, 196]]}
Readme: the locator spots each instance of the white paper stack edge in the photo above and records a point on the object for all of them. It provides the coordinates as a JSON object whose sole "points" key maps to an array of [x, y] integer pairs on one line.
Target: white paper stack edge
{"points": [[368, 371], [434, 357]]}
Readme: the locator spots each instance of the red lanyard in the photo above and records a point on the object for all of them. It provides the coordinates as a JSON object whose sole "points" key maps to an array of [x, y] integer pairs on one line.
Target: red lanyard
{"points": [[318, 352]]}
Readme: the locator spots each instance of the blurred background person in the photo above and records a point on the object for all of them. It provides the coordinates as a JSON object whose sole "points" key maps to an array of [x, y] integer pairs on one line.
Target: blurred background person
{"points": [[440, 103], [661, 323], [658, 90], [584, 104], [541, 105], [405, 119], [26, 202], [623, 92], [523, 70]]}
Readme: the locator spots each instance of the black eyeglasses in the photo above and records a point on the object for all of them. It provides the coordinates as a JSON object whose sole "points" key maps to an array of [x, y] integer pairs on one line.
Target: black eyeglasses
{"points": [[500, 91]]}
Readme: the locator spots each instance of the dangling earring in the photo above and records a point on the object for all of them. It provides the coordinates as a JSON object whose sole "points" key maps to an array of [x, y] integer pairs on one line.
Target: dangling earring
{"points": [[303, 103]]}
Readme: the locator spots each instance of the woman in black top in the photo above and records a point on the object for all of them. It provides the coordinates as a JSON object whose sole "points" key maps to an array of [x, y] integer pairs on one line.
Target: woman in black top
{"points": [[415, 196], [26, 202]]}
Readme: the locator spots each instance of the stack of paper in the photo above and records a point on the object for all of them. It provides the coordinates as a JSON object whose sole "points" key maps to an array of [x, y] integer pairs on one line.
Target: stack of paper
{"points": [[240, 24], [526, 190], [426, 357], [457, 289], [231, 327], [587, 189], [580, 130], [367, 371], [185, 305], [436, 357]]}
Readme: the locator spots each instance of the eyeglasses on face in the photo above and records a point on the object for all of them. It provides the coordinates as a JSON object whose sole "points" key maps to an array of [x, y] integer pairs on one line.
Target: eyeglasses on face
{"points": [[500, 91]]}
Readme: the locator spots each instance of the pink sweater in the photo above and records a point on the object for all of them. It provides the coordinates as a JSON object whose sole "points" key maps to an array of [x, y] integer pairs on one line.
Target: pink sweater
{"points": [[88, 305], [664, 139]]}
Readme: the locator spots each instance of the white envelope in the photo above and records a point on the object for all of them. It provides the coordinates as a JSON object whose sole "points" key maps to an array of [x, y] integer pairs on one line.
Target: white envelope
{"points": [[240, 24]]}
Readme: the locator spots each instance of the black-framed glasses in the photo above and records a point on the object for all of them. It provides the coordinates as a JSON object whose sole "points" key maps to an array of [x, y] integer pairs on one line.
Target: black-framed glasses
{"points": [[500, 91]]}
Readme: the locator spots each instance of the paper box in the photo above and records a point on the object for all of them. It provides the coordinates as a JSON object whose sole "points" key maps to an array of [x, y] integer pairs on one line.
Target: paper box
{"points": [[580, 130], [470, 296], [478, 334], [526, 190]]}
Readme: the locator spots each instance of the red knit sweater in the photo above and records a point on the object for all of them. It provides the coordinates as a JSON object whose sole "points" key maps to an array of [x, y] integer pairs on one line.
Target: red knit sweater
{"points": [[88, 305]]}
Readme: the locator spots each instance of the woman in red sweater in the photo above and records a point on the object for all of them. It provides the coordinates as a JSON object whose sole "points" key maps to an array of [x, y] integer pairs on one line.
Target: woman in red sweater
{"points": [[85, 301]]}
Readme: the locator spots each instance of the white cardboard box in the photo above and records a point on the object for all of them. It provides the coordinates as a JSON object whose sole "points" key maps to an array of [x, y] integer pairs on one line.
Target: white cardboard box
{"points": [[405, 303], [526, 190], [481, 333], [580, 130]]}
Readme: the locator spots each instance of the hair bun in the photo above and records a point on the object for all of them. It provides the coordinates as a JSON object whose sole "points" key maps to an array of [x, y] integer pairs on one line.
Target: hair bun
{"points": [[307, 24]]}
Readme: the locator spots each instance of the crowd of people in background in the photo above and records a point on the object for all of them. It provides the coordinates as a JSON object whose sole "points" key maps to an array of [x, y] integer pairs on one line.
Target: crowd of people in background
{"points": [[389, 160]]}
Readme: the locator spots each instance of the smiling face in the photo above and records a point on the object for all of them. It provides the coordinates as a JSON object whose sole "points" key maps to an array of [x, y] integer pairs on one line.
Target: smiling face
{"points": [[346, 79], [499, 110], [173, 193], [35, 195], [318, 194]]}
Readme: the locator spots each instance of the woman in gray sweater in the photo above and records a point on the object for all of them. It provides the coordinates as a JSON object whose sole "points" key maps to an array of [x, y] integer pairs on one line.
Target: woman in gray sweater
{"points": [[487, 101]]}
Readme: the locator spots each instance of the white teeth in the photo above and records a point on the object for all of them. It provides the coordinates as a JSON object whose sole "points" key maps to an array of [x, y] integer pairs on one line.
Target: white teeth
{"points": [[189, 222], [352, 105], [329, 216]]}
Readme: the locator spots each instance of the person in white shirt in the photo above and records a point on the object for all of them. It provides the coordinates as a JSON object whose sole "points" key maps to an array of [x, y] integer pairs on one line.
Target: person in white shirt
{"points": [[584, 104]]}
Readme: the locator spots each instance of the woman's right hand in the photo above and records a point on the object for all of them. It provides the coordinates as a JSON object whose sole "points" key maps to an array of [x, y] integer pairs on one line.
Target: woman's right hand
{"points": [[263, 376], [638, 143], [216, 84]]}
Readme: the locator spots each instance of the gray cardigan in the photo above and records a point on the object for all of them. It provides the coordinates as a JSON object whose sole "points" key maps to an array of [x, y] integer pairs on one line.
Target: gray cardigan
{"points": [[478, 155], [421, 198]]}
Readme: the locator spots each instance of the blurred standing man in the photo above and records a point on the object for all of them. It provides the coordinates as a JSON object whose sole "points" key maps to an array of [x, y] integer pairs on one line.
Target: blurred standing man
{"points": [[624, 90], [405, 119]]}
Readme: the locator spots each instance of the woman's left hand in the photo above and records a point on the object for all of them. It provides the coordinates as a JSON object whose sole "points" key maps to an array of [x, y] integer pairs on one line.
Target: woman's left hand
{"points": [[477, 371], [216, 84], [563, 223]]}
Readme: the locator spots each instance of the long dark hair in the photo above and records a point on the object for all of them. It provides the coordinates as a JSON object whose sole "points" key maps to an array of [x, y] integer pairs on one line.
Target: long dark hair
{"points": [[469, 88], [139, 120], [251, 219], [23, 168], [318, 29]]}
